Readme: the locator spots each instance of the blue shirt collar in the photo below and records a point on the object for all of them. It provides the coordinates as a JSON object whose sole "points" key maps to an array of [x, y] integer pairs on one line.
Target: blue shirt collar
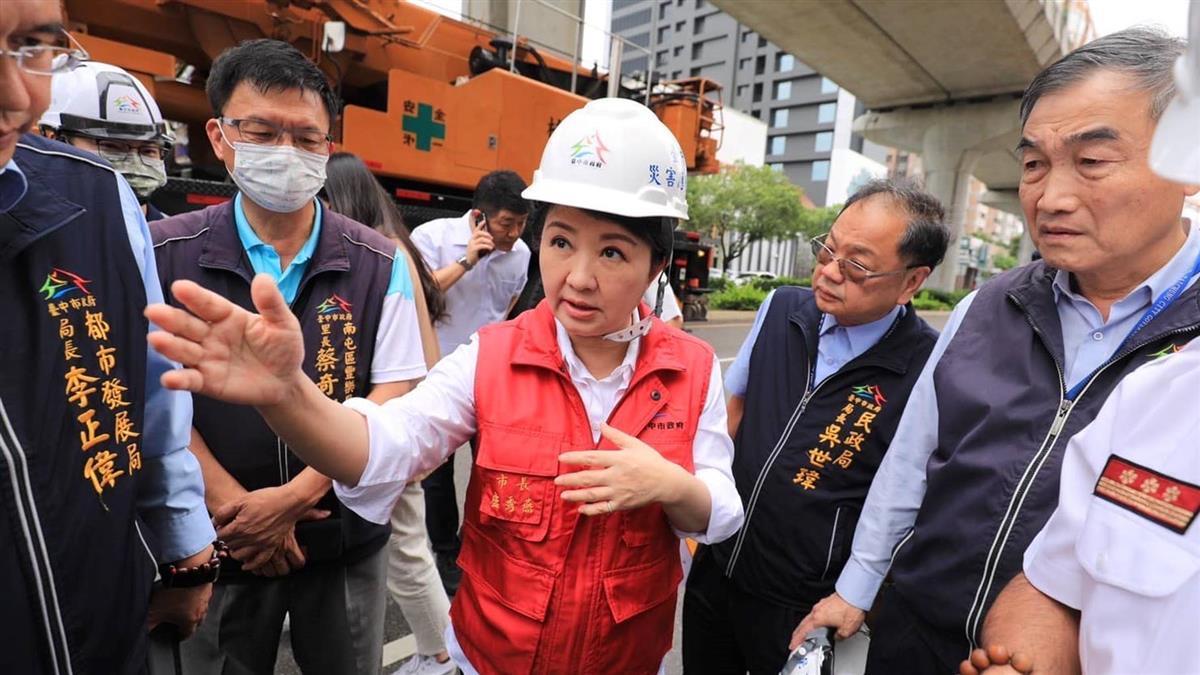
{"points": [[13, 185], [250, 240], [864, 336], [1154, 285]]}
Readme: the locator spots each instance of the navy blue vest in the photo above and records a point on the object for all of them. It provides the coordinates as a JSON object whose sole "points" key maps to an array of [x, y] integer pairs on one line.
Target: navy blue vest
{"points": [[992, 482], [803, 467], [339, 305], [75, 573]]}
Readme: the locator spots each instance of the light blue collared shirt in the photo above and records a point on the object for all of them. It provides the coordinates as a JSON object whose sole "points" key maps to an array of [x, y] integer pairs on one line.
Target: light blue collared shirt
{"points": [[265, 260], [837, 345], [899, 486], [170, 497]]}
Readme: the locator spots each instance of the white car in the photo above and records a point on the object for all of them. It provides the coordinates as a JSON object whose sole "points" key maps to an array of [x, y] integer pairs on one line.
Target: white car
{"points": [[746, 276]]}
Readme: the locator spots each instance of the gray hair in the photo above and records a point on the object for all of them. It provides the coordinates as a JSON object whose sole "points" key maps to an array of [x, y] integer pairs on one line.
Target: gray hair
{"points": [[926, 235], [1146, 54]]}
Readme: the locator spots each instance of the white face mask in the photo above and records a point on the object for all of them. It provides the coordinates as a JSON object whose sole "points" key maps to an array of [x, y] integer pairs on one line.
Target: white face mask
{"points": [[279, 178]]}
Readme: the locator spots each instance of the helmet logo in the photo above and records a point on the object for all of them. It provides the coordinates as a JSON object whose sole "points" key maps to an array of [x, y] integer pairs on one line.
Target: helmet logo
{"points": [[589, 151], [127, 104]]}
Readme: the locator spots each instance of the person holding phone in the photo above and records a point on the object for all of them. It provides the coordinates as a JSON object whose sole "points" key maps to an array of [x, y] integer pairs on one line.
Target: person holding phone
{"points": [[481, 265]]}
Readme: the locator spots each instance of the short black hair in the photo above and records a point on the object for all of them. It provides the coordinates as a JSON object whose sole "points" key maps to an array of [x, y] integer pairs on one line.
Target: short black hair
{"points": [[926, 235], [1146, 54], [267, 65], [500, 190]]}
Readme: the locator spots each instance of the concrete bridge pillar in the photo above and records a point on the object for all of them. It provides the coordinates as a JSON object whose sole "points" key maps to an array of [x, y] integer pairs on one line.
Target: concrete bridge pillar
{"points": [[951, 140]]}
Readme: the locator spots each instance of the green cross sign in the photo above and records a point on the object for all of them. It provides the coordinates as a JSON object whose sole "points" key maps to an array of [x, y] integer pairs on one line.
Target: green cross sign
{"points": [[423, 126]]}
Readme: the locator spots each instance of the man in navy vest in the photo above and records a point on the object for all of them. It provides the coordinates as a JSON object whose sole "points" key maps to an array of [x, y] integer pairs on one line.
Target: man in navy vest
{"points": [[296, 549], [1028, 360], [816, 393], [98, 484]]}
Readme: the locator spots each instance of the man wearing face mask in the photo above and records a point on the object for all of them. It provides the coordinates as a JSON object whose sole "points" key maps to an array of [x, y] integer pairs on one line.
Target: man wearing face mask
{"points": [[104, 110], [296, 549]]}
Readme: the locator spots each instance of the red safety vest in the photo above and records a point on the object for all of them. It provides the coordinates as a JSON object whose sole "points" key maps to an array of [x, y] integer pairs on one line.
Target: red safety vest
{"points": [[545, 590]]}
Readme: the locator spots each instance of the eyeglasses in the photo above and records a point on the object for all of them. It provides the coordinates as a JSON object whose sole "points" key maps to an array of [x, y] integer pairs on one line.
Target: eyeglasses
{"points": [[57, 54], [115, 151], [850, 269], [262, 132]]}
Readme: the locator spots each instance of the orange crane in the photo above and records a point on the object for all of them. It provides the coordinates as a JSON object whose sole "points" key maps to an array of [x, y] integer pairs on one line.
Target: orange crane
{"points": [[432, 103]]}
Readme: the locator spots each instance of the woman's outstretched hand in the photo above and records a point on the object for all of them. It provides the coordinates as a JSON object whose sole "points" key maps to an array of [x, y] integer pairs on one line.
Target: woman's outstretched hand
{"points": [[228, 353]]}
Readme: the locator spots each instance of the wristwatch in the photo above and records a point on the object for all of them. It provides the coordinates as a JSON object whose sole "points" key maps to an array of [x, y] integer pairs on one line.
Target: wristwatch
{"points": [[174, 576], [466, 264]]}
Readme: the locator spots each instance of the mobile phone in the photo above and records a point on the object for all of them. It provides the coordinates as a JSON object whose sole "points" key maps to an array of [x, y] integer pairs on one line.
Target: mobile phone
{"points": [[481, 223]]}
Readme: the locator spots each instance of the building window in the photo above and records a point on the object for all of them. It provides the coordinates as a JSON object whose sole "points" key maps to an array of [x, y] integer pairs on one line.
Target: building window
{"points": [[676, 75], [662, 10], [663, 34], [700, 4], [634, 20], [743, 64], [783, 90], [746, 36], [679, 26], [823, 141], [779, 145], [757, 114], [695, 72], [698, 26], [779, 118], [742, 89], [826, 113], [762, 42], [697, 51], [661, 58], [641, 39], [760, 65], [784, 63], [757, 92], [820, 170], [677, 51], [776, 166], [828, 86]]}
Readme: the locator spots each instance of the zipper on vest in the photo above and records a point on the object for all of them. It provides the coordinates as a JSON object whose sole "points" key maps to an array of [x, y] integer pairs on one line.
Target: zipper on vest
{"points": [[1065, 407], [35, 543], [809, 392]]}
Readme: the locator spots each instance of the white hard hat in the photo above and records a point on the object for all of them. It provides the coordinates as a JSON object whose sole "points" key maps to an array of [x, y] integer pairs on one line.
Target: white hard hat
{"points": [[613, 156], [1175, 150], [104, 101]]}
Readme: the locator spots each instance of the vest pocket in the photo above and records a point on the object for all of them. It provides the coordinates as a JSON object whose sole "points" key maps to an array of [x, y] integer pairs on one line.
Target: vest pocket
{"points": [[633, 590], [516, 584], [516, 471]]}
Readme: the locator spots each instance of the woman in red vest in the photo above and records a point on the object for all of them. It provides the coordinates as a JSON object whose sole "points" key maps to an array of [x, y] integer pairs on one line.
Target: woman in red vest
{"points": [[598, 432]]}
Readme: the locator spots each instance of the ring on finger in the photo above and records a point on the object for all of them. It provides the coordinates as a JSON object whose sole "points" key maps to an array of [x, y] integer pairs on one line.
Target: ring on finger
{"points": [[609, 505]]}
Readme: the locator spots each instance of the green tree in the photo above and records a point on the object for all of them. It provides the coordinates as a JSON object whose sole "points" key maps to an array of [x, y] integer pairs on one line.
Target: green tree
{"points": [[1004, 262], [744, 204]]}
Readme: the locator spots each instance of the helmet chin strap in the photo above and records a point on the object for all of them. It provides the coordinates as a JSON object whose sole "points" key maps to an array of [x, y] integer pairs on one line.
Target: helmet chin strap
{"points": [[640, 327], [636, 330]]}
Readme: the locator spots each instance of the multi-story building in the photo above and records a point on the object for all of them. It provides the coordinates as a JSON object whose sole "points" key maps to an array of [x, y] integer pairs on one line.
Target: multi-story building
{"points": [[808, 116]]}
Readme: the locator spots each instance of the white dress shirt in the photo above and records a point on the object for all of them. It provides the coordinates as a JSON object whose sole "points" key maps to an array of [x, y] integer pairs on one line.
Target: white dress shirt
{"points": [[483, 294], [1135, 580]]}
